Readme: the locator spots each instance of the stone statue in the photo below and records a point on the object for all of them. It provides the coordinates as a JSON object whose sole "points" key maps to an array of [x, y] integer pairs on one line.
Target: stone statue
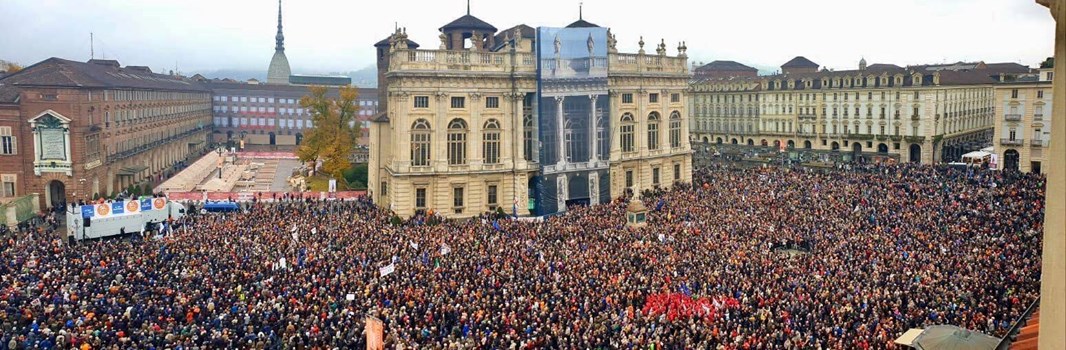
{"points": [[443, 41], [611, 41], [475, 41], [662, 48], [591, 43], [641, 44], [558, 45]]}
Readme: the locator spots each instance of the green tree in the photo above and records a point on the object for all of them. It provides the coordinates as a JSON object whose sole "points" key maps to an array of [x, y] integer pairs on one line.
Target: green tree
{"points": [[332, 138], [10, 67]]}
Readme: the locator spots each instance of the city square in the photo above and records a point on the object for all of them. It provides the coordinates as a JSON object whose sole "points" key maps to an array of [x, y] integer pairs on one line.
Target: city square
{"points": [[534, 187]]}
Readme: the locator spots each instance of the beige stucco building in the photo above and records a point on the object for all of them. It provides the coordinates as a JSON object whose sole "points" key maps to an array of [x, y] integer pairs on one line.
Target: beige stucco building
{"points": [[927, 114], [1023, 121], [459, 134]]}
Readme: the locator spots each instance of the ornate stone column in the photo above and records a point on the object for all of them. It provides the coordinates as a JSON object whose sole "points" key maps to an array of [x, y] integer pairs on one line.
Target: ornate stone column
{"points": [[593, 134], [1053, 278], [560, 119]]}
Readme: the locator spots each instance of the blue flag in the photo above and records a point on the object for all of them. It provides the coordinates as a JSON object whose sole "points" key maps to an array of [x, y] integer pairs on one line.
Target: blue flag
{"points": [[660, 204], [496, 225]]}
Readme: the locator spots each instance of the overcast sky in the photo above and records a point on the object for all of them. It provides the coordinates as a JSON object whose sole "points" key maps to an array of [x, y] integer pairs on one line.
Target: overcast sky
{"points": [[331, 36]]}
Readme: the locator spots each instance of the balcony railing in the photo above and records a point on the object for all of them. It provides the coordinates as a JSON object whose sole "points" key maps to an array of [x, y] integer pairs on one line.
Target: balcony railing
{"points": [[1010, 142], [525, 62], [470, 61], [1037, 143], [1038, 117], [807, 117], [1013, 117]]}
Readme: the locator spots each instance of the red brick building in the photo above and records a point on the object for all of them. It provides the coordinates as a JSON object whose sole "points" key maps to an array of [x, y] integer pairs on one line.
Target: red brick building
{"points": [[74, 130]]}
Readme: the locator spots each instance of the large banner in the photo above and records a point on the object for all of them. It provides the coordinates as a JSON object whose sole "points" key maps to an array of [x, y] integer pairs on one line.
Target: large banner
{"points": [[126, 207], [573, 119]]}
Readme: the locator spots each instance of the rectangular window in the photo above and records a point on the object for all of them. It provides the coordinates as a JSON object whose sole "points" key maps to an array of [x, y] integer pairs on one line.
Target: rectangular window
{"points": [[675, 97], [677, 172], [420, 149], [1039, 93], [492, 197], [1014, 93], [629, 178], [655, 176], [421, 101], [457, 199], [458, 102], [7, 145], [653, 98], [627, 138], [9, 188], [627, 98], [420, 198], [384, 188], [492, 102], [491, 149]]}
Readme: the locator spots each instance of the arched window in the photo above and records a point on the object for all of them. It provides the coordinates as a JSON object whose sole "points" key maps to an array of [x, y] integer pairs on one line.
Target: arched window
{"points": [[653, 131], [675, 129], [527, 135], [491, 142], [420, 137], [627, 133], [457, 142]]}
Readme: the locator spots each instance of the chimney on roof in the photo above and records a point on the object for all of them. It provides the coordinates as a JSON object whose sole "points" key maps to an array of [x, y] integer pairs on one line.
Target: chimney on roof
{"points": [[109, 63]]}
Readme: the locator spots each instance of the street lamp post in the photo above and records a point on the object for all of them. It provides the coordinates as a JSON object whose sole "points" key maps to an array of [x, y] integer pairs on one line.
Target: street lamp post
{"points": [[219, 150]]}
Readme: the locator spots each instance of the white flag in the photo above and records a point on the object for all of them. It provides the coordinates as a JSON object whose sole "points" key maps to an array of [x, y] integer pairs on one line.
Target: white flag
{"points": [[445, 249], [414, 245]]}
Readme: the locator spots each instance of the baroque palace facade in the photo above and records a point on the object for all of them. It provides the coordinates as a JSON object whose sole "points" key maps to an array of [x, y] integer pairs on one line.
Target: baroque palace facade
{"points": [[926, 114], [499, 121]]}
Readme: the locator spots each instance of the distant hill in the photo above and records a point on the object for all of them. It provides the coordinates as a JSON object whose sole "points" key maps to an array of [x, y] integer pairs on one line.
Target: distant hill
{"points": [[366, 77]]}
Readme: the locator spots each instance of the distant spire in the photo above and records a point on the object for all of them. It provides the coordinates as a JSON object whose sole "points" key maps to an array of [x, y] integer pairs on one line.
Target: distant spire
{"points": [[280, 38], [467, 7], [580, 10]]}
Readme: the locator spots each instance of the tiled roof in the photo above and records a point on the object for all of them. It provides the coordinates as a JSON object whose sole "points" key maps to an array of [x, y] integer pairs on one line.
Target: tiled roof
{"points": [[581, 23], [8, 94], [385, 42], [525, 31], [882, 67], [471, 23], [948, 77], [725, 66], [217, 86], [1007, 67], [58, 72], [799, 62]]}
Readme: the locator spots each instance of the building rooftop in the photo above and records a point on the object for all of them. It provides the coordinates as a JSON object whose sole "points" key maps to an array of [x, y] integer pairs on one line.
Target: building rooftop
{"points": [[320, 80], [385, 43], [799, 62], [469, 22], [58, 72], [725, 66]]}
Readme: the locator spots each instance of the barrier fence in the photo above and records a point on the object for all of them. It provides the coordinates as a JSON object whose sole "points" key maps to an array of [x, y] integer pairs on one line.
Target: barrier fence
{"points": [[262, 196]]}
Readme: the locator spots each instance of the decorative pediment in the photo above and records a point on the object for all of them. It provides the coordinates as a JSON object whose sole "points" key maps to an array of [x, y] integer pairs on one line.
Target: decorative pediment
{"points": [[49, 117]]}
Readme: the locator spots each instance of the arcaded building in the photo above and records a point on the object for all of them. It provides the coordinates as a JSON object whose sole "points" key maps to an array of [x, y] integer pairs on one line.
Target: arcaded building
{"points": [[74, 130], [526, 120], [1023, 122], [927, 114]]}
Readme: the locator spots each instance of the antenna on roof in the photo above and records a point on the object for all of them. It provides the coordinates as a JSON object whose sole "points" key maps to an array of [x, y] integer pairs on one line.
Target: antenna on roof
{"points": [[92, 53]]}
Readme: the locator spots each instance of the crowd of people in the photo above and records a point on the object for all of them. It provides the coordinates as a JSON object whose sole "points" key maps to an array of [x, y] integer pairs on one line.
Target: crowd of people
{"points": [[885, 249]]}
